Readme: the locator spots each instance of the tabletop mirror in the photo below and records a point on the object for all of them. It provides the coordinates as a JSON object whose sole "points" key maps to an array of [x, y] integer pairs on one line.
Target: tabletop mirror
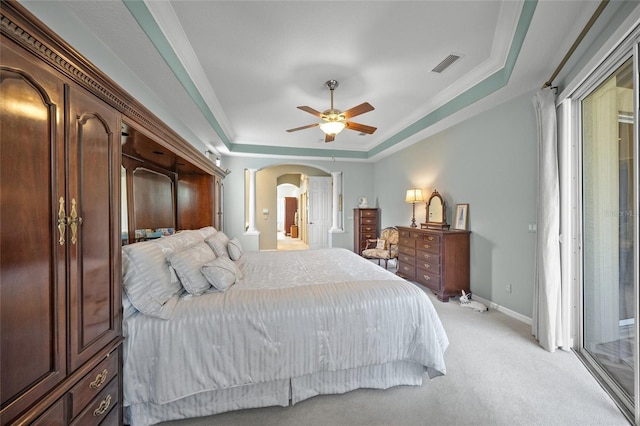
{"points": [[436, 212]]}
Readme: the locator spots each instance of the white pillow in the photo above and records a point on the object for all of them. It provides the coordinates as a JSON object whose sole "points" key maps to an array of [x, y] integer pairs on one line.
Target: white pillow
{"points": [[222, 273], [147, 280], [178, 242], [218, 243], [207, 231], [235, 249], [187, 264]]}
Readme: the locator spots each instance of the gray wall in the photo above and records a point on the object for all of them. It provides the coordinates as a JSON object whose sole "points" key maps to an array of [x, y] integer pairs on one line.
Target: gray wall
{"points": [[489, 162]]}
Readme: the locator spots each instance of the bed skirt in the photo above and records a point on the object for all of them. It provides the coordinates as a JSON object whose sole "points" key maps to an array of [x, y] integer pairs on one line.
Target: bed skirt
{"points": [[280, 392]]}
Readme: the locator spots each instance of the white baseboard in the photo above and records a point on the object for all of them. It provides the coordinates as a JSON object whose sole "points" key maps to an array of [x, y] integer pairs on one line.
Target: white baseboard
{"points": [[506, 311]]}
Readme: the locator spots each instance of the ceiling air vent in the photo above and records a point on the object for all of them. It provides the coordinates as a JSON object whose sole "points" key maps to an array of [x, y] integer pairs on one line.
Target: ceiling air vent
{"points": [[446, 63]]}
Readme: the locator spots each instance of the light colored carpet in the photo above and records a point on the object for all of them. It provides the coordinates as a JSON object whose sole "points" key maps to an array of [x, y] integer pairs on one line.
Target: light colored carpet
{"points": [[496, 375]]}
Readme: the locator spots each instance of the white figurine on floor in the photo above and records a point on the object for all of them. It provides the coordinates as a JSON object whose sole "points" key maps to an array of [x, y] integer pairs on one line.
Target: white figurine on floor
{"points": [[476, 306]]}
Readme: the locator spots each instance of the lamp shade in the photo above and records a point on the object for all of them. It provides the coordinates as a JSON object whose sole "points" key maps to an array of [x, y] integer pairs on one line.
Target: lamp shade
{"points": [[332, 127], [414, 195]]}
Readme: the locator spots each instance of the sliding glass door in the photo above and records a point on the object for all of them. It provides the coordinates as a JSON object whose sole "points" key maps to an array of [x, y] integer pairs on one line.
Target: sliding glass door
{"points": [[609, 235]]}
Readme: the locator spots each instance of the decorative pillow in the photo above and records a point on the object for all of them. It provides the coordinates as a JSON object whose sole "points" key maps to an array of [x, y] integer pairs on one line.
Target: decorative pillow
{"points": [[178, 242], [147, 280], [207, 231], [222, 273], [187, 264], [235, 249], [218, 243], [381, 244]]}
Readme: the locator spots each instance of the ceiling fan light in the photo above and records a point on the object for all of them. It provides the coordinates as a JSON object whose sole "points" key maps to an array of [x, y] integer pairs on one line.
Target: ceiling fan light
{"points": [[332, 127]]}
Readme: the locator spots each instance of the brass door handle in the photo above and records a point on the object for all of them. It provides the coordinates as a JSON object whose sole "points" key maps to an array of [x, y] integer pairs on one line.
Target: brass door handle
{"points": [[62, 221], [74, 221]]}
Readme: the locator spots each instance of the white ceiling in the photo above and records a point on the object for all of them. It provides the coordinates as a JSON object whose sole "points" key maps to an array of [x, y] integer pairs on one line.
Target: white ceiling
{"points": [[233, 72]]}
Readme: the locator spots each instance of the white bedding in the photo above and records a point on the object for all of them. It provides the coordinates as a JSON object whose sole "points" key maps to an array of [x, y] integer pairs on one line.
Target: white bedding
{"points": [[293, 314]]}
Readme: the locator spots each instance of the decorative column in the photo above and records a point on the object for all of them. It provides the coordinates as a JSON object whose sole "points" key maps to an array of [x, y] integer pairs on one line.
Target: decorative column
{"points": [[336, 208], [252, 202]]}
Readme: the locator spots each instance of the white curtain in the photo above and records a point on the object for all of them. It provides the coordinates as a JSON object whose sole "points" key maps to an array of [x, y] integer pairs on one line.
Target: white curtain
{"points": [[547, 324]]}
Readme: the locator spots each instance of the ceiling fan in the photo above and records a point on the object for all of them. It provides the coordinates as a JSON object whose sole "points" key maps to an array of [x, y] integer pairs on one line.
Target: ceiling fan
{"points": [[334, 120]]}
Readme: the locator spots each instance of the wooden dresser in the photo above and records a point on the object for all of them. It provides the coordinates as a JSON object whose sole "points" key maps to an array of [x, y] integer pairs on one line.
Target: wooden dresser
{"points": [[437, 259], [365, 226]]}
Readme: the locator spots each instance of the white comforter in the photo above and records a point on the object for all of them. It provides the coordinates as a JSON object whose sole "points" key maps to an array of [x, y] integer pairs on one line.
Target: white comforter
{"points": [[292, 314]]}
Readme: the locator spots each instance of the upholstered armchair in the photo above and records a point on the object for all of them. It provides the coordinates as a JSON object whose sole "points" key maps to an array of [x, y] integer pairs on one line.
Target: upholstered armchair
{"points": [[383, 248]]}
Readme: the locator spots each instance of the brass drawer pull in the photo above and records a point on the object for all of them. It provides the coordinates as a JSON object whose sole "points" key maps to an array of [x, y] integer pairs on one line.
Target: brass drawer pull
{"points": [[427, 277], [104, 406], [62, 221], [427, 266], [100, 379], [430, 238], [427, 256], [427, 246]]}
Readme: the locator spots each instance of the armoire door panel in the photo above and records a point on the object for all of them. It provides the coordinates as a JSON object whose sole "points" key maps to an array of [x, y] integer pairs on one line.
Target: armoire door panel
{"points": [[32, 290], [93, 131]]}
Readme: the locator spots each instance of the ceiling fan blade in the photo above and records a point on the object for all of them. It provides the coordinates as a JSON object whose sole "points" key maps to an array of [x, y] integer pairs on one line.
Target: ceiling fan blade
{"points": [[310, 111], [357, 110], [329, 137], [303, 127], [361, 127]]}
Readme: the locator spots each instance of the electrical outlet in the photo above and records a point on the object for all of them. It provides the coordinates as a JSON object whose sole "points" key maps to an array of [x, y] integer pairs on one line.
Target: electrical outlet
{"points": [[533, 227], [508, 288]]}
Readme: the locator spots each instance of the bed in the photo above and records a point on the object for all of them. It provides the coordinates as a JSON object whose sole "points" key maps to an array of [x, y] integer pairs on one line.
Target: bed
{"points": [[290, 326]]}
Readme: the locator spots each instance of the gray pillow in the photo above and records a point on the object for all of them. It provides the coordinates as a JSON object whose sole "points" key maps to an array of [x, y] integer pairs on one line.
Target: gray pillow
{"points": [[188, 263], [222, 273], [218, 243], [235, 249], [147, 280]]}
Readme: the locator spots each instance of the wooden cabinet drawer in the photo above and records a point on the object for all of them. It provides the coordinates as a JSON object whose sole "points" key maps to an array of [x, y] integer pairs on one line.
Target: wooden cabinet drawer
{"points": [[430, 246], [406, 259], [99, 408], [428, 266], [369, 222], [427, 256], [368, 236], [428, 278], [113, 418], [408, 271], [54, 416], [409, 251], [91, 384], [368, 229], [364, 213], [404, 235]]}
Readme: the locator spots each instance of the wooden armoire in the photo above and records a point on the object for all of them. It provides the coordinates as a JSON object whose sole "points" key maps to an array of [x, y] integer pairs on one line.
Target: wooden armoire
{"points": [[62, 124]]}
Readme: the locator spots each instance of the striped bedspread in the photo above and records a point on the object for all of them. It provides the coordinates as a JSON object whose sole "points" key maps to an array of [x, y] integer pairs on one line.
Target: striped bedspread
{"points": [[292, 314]]}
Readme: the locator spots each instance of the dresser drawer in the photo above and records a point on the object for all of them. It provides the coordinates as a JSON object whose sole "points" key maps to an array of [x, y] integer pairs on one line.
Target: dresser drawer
{"points": [[427, 256], [368, 213], [99, 408], [407, 271], [406, 259], [404, 234], [91, 384], [429, 246], [367, 228], [369, 221], [364, 236], [428, 278], [409, 251], [428, 266]]}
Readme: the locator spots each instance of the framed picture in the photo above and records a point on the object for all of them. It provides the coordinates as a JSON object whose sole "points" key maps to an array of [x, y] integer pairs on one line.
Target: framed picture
{"points": [[461, 219]]}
